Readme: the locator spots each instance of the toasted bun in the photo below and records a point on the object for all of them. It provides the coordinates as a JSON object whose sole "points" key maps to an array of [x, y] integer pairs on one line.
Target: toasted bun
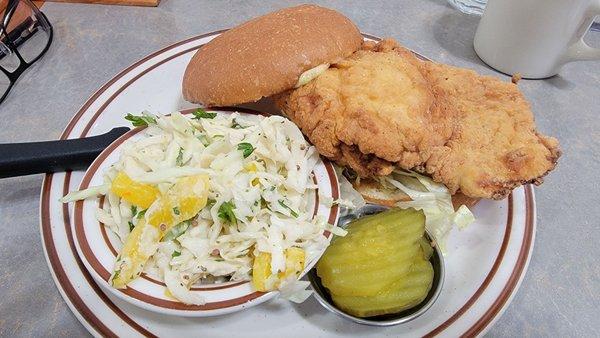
{"points": [[374, 192], [267, 55]]}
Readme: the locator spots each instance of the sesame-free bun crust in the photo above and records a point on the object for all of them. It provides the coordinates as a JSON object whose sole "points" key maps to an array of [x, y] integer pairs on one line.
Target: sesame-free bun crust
{"points": [[266, 55]]}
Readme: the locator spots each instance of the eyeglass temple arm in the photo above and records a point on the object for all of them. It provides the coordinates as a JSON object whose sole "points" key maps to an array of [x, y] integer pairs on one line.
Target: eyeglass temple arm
{"points": [[10, 10], [16, 37], [20, 159]]}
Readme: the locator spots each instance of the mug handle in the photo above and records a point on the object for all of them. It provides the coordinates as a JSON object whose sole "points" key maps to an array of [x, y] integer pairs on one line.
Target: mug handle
{"points": [[579, 50]]}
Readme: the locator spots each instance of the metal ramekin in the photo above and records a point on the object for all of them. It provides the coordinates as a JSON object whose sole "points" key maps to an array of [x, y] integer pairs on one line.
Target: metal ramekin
{"points": [[437, 260]]}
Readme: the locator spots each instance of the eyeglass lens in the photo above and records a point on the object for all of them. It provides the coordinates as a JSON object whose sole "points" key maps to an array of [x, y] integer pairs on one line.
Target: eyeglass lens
{"points": [[26, 37]]}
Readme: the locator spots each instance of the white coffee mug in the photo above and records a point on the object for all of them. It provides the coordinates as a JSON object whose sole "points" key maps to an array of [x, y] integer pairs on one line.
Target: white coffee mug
{"points": [[535, 37]]}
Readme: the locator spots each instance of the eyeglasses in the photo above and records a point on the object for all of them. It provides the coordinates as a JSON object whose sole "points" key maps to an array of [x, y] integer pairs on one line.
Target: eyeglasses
{"points": [[25, 36]]}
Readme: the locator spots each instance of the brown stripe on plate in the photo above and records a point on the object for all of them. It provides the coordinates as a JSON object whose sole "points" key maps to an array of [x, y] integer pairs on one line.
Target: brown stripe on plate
{"points": [[488, 278], [316, 208], [68, 288], [516, 274], [335, 190], [58, 269]]}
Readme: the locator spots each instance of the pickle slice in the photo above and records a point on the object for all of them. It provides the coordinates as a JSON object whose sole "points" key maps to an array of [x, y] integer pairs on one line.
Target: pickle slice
{"points": [[366, 249], [390, 227], [377, 251], [370, 281], [403, 294], [381, 217], [361, 261], [426, 247]]}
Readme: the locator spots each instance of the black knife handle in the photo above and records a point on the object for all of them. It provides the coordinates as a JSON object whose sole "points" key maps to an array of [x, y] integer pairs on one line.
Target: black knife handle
{"points": [[19, 159]]}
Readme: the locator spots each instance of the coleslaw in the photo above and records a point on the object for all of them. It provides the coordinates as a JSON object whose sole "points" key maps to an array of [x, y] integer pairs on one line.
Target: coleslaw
{"points": [[255, 173]]}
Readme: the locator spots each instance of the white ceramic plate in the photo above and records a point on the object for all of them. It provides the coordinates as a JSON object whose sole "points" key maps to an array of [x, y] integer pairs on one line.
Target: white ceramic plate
{"points": [[484, 267], [98, 248]]}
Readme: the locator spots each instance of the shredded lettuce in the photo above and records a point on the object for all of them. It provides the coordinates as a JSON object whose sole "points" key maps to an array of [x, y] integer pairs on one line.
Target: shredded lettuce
{"points": [[311, 74], [85, 193], [352, 198], [434, 199], [295, 290], [463, 217]]}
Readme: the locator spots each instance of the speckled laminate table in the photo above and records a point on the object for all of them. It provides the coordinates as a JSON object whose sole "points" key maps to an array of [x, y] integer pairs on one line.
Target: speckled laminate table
{"points": [[559, 296]]}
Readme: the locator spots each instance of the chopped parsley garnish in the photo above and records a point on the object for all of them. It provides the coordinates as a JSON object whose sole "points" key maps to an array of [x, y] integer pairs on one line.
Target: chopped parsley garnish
{"points": [[226, 212], [246, 148], [292, 212], [140, 121], [116, 275], [203, 114], [176, 231], [203, 139], [179, 160], [131, 226], [141, 214], [236, 125], [175, 254], [210, 202], [176, 210], [133, 210]]}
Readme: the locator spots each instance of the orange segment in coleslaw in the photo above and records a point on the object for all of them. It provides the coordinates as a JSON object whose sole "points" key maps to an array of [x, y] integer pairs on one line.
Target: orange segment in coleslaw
{"points": [[180, 203], [261, 269]]}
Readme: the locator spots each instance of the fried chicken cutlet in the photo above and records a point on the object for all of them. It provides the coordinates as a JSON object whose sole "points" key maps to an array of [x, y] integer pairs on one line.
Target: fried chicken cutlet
{"points": [[383, 108]]}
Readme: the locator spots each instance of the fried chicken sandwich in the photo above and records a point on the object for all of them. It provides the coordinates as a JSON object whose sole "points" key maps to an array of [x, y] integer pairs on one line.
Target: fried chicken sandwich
{"points": [[375, 107]]}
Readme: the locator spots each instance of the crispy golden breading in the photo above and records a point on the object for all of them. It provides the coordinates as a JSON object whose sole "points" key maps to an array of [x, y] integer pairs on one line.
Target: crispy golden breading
{"points": [[382, 107], [495, 146], [368, 111]]}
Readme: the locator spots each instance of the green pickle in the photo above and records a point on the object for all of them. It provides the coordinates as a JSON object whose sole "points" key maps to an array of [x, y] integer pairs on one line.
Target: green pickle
{"points": [[381, 266], [405, 293]]}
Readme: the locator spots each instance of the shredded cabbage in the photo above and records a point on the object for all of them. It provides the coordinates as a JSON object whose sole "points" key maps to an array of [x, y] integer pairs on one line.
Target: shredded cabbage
{"points": [[86, 193], [352, 198], [260, 173], [434, 199], [311, 74], [295, 290]]}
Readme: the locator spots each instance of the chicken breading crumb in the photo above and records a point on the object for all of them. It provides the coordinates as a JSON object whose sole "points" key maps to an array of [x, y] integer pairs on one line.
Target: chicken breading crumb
{"points": [[383, 108]]}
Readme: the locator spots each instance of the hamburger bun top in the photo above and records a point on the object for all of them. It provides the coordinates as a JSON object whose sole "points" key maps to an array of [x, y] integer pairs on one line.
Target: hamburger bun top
{"points": [[267, 55]]}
